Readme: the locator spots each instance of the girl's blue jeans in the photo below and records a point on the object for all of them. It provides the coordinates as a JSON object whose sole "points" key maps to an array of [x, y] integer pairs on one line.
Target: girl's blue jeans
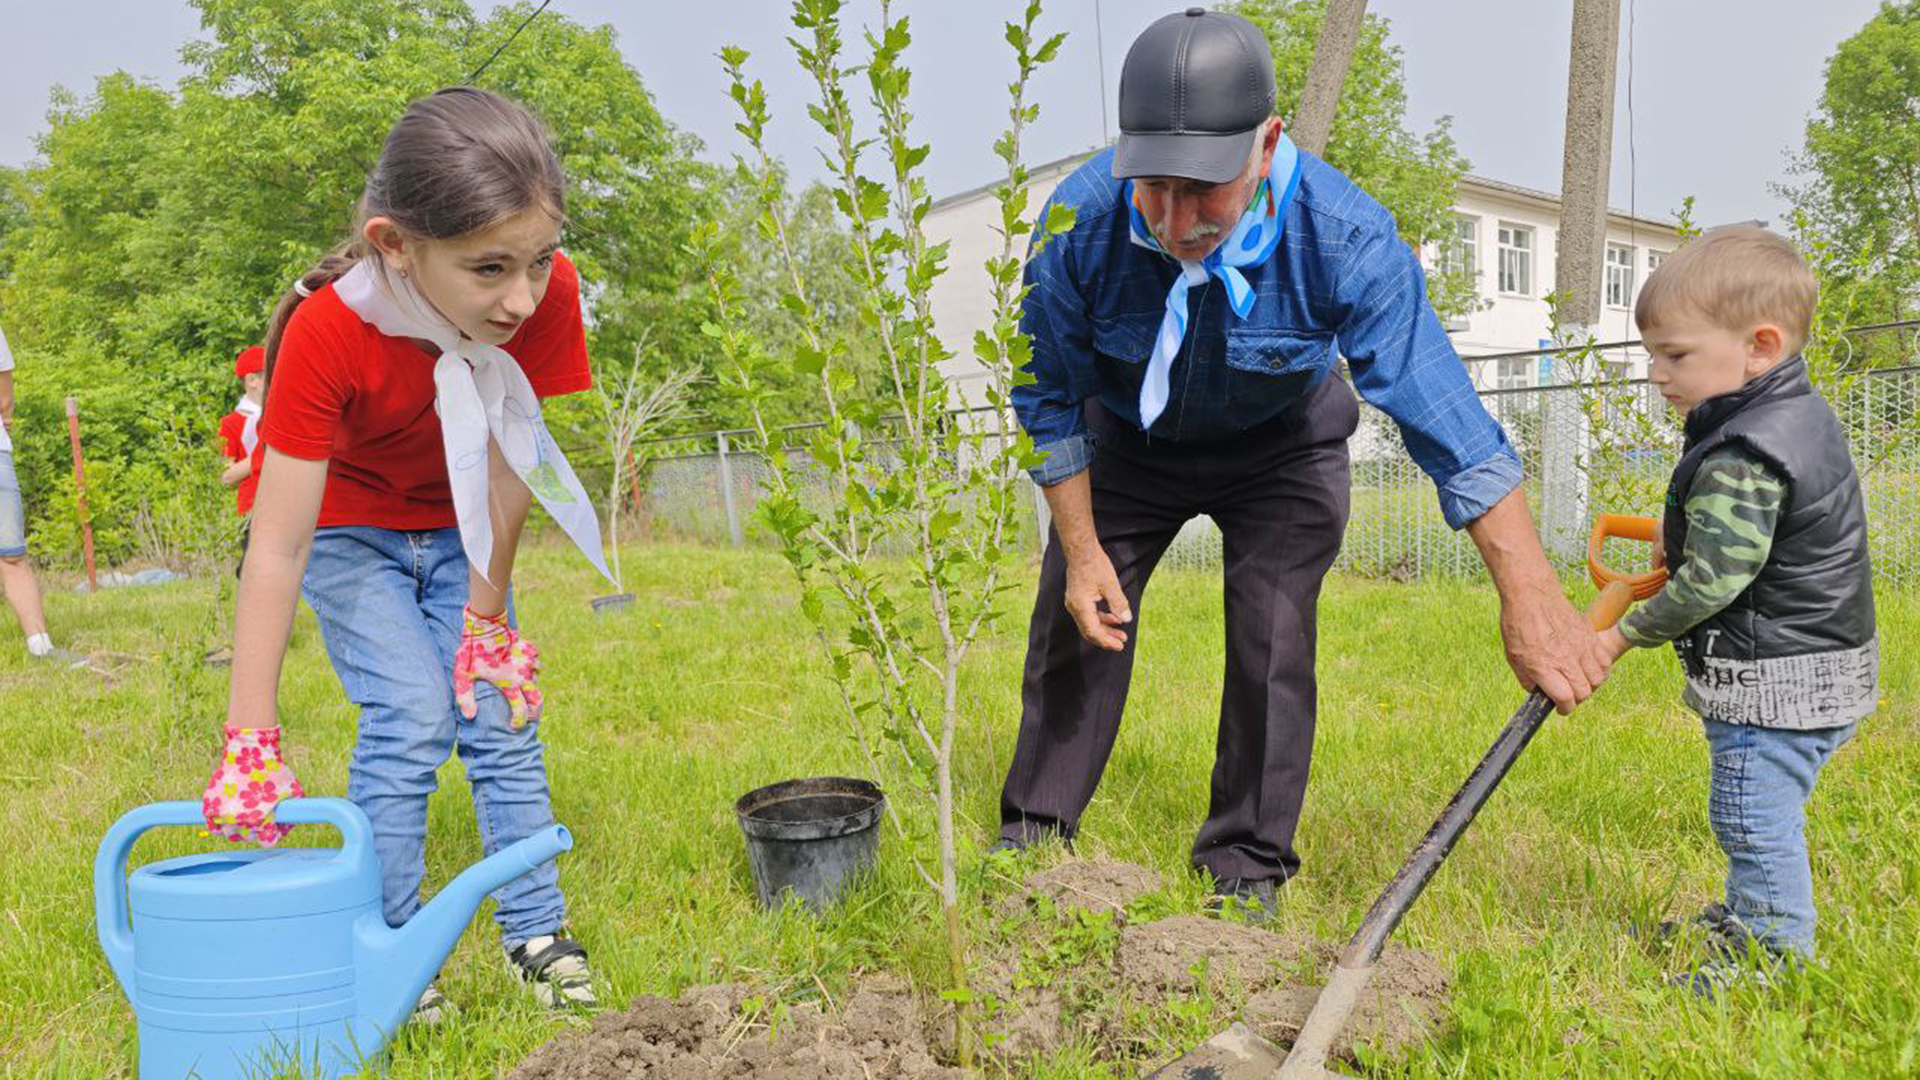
{"points": [[389, 604], [1761, 780]]}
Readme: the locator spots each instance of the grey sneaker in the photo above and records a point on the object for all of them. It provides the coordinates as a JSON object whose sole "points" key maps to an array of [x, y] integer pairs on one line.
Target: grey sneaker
{"points": [[1721, 931], [60, 657], [1716, 975], [432, 1009], [556, 966], [1257, 898]]}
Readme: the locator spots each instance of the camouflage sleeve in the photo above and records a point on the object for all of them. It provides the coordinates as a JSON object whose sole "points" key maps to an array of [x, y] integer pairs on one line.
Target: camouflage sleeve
{"points": [[1732, 512]]}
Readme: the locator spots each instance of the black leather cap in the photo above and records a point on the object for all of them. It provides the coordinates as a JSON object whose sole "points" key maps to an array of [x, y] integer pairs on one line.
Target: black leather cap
{"points": [[1194, 89]]}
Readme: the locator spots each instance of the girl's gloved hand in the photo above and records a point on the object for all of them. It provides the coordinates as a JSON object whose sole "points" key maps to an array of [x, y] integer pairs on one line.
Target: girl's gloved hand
{"points": [[247, 784], [494, 652]]}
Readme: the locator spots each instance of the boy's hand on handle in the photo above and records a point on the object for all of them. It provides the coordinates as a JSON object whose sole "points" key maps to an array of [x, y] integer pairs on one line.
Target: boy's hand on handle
{"points": [[491, 651], [247, 784], [1614, 644]]}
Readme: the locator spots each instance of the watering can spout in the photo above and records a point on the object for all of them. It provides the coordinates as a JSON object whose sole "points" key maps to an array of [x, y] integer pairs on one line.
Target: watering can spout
{"points": [[413, 953]]}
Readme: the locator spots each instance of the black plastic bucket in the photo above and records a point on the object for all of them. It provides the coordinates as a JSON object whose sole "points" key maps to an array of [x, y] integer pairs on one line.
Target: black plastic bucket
{"points": [[810, 837]]}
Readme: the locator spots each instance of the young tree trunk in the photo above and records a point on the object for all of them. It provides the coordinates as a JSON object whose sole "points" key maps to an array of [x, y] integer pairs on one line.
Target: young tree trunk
{"points": [[963, 1005]]}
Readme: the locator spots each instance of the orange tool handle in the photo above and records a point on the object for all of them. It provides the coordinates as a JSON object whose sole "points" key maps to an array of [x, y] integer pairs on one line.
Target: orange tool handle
{"points": [[1625, 527], [1607, 608]]}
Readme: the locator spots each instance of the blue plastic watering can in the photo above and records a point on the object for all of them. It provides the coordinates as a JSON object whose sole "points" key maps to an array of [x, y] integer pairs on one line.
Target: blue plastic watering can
{"points": [[240, 964]]}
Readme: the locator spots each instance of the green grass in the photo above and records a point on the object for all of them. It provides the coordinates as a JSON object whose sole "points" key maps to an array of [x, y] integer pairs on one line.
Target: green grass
{"points": [[709, 687]]}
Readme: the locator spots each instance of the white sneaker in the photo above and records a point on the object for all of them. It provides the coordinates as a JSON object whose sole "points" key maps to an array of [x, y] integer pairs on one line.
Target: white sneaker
{"points": [[556, 966], [432, 1008]]}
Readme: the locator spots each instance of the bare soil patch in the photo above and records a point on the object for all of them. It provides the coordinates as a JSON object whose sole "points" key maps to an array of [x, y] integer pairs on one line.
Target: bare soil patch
{"points": [[713, 1033], [1062, 964]]}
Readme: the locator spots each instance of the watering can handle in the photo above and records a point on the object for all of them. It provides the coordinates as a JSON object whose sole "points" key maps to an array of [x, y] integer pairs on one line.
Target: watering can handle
{"points": [[110, 865], [1624, 527]]}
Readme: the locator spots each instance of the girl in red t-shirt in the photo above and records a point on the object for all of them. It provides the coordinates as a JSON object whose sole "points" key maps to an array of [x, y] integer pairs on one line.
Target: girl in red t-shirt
{"points": [[240, 429], [240, 435], [403, 449]]}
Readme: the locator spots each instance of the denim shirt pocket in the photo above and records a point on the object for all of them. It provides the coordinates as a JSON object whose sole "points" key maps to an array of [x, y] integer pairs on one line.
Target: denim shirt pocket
{"points": [[1128, 339], [1267, 351]]}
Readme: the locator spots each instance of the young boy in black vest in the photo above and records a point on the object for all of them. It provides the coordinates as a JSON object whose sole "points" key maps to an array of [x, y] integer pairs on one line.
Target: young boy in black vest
{"points": [[1770, 597]]}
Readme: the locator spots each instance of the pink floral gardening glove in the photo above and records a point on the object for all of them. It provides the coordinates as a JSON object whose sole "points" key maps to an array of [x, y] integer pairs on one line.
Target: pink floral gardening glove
{"points": [[247, 784], [491, 651]]}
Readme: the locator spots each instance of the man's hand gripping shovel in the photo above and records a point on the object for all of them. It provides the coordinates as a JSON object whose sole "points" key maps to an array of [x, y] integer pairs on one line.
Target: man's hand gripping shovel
{"points": [[1238, 1053]]}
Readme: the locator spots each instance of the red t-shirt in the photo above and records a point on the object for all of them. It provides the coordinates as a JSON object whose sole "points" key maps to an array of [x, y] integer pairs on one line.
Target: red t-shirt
{"points": [[344, 391], [232, 427]]}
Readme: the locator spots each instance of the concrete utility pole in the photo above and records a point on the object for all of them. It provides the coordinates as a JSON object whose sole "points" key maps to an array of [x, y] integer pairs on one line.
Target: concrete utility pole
{"points": [[1588, 155], [1578, 261], [1332, 55]]}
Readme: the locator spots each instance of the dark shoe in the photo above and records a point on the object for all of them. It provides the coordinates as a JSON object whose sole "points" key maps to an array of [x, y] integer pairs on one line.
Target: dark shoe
{"points": [[1032, 838], [1256, 898]]}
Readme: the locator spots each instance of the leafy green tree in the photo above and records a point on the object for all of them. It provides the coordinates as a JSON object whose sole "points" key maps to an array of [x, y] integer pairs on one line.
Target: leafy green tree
{"points": [[815, 248], [902, 562], [160, 225], [1415, 176], [1858, 200]]}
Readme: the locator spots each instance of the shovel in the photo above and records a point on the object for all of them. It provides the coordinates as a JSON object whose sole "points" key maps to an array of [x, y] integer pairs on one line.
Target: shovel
{"points": [[1238, 1053]]}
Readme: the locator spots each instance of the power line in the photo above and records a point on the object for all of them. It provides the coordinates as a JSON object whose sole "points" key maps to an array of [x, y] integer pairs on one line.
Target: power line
{"points": [[1100, 55], [502, 46], [1633, 156]]}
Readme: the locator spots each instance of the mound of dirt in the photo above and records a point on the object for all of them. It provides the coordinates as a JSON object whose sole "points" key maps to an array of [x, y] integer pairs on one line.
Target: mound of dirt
{"points": [[1047, 978], [1162, 957], [1402, 1006], [1097, 886], [707, 1035]]}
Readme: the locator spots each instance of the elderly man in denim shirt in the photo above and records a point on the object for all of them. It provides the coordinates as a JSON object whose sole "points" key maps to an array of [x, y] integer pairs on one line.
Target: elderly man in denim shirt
{"points": [[1185, 335]]}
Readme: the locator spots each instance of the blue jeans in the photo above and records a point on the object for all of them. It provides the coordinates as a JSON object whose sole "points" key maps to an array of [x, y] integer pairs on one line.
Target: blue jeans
{"points": [[1761, 780], [13, 515], [389, 604]]}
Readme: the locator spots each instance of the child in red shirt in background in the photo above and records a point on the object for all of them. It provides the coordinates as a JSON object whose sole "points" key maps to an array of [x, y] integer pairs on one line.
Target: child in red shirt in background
{"points": [[240, 432], [402, 449]]}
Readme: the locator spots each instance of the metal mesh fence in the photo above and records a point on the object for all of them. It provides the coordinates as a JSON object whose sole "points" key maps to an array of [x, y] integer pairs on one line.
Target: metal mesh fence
{"points": [[1586, 448]]}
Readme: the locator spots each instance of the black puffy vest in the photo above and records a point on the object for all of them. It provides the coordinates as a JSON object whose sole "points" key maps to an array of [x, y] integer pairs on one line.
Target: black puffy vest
{"points": [[1815, 593]]}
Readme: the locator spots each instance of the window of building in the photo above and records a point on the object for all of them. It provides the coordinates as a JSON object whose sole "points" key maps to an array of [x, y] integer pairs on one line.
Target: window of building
{"points": [[1461, 251], [1619, 282], [1516, 259], [1654, 259], [1514, 372]]}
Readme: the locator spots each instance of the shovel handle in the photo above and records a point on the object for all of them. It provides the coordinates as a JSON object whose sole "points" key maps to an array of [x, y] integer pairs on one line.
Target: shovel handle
{"points": [[1624, 527], [1406, 886]]}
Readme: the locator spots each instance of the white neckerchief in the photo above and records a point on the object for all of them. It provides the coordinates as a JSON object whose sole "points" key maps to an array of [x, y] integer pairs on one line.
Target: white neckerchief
{"points": [[480, 393], [1251, 243], [250, 426]]}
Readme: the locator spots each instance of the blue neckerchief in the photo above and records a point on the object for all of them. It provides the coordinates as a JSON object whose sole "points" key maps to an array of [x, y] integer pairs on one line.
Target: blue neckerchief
{"points": [[1252, 242]]}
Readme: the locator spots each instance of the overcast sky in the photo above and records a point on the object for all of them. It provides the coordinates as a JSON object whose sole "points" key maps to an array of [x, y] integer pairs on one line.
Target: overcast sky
{"points": [[1721, 89]]}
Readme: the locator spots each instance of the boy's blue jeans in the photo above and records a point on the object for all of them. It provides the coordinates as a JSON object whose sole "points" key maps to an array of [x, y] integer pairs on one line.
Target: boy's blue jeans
{"points": [[1761, 780], [389, 604]]}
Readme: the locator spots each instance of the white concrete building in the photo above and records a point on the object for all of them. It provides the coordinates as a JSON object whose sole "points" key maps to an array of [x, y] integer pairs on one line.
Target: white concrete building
{"points": [[1507, 235]]}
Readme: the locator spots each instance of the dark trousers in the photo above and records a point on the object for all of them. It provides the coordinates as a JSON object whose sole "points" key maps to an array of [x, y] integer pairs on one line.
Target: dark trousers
{"points": [[1279, 493]]}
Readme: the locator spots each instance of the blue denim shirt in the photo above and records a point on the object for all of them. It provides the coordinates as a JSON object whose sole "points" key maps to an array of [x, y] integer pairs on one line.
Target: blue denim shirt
{"points": [[1341, 283]]}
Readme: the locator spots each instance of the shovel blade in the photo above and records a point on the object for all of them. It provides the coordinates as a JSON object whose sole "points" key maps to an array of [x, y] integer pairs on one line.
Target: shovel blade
{"points": [[1234, 1054]]}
